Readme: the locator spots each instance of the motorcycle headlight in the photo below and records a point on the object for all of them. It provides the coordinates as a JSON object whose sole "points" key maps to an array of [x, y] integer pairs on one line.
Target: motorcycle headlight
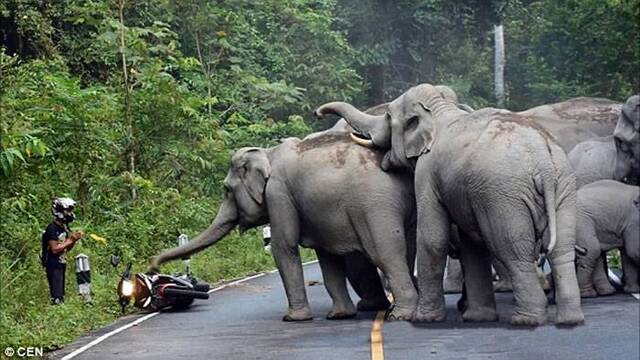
{"points": [[126, 288]]}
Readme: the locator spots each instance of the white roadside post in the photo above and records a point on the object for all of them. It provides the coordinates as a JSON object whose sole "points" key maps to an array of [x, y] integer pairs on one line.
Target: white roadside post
{"points": [[83, 277], [266, 238], [183, 239]]}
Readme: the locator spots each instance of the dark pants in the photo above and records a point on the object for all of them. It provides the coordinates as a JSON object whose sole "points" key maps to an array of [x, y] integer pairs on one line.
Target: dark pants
{"points": [[55, 277]]}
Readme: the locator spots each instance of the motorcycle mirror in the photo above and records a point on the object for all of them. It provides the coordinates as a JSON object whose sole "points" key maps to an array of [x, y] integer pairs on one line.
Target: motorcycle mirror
{"points": [[115, 260]]}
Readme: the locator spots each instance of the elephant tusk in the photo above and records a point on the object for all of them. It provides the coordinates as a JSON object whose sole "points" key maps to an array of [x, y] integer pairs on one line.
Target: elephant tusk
{"points": [[361, 141]]}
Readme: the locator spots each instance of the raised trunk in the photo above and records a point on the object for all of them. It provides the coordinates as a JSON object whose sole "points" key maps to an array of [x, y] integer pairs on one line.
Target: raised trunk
{"points": [[224, 222], [374, 127]]}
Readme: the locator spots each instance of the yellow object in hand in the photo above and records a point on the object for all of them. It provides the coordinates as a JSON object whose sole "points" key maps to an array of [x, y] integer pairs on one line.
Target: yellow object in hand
{"points": [[99, 239]]}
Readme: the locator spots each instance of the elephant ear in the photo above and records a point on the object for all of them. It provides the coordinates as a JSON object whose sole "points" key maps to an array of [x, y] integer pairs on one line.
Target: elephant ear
{"points": [[255, 172], [417, 134]]}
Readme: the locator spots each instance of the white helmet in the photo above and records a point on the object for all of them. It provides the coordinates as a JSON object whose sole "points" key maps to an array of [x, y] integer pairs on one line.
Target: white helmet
{"points": [[60, 205]]}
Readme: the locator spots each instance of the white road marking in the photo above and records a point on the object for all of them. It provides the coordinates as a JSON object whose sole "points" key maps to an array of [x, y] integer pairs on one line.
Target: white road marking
{"points": [[149, 316], [108, 335], [636, 295]]}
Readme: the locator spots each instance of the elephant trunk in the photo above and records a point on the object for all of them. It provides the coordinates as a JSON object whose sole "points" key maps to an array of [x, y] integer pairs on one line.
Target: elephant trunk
{"points": [[224, 222], [374, 127]]}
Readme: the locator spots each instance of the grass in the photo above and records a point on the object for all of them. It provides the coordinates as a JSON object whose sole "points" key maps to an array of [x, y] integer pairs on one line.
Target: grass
{"points": [[27, 319]]}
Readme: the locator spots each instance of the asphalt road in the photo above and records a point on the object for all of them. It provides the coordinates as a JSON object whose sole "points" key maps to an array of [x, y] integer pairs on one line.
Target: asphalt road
{"points": [[243, 322]]}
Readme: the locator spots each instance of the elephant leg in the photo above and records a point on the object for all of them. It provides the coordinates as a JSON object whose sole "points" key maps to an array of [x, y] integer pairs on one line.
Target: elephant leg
{"points": [[586, 269], [433, 244], [600, 277], [514, 245], [589, 267], [366, 282], [285, 233], [630, 273], [481, 303], [631, 259], [389, 253], [562, 259], [453, 276], [333, 274], [504, 282]]}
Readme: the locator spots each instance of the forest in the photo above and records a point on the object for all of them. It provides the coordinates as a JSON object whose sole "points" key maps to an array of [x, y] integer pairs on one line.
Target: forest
{"points": [[133, 108]]}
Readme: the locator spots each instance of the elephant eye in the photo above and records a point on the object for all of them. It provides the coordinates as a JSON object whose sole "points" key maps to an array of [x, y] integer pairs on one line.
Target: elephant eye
{"points": [[413, 121]]}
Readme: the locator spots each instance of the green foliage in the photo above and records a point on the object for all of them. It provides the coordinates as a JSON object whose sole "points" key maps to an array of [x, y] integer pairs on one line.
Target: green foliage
{"points": [[557, 50], [554, 49], [69, 128]]}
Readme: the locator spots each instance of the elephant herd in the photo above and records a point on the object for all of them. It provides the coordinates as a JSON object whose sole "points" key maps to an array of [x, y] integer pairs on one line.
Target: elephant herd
{"points": [[406, 183]]}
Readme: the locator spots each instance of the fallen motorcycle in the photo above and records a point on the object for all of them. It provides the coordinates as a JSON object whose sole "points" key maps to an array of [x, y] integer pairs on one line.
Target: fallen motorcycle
{"points": [[158, 291]]}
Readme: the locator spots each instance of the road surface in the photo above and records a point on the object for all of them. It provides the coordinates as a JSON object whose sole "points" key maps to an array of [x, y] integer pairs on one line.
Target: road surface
{"points": [[242, 321]]}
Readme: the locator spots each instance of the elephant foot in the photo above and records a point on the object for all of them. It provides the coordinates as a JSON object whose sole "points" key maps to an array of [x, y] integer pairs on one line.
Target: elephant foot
{"points": [[452, 286], [528, 320], [502, 286], [569, 315], [428, 315], [480, 315], [400, 313], [373, 304], [605, 289], [340, 315], [303, 314], [632, 289], [342, 312], [588, 293]]}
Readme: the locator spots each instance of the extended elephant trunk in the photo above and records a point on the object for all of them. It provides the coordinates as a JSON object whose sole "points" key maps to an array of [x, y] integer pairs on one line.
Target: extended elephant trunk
{"points": [[373, 127], [224, 222]]}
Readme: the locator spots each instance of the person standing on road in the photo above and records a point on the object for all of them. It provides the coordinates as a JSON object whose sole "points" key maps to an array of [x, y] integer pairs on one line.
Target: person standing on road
{"points": [[56, 240]]}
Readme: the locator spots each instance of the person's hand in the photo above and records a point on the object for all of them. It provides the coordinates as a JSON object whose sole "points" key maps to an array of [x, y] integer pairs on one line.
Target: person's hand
{"points": [[76, 236]]}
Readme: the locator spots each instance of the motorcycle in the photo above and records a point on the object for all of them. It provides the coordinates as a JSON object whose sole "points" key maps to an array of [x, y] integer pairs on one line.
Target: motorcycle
{"points": [[158, 291]]}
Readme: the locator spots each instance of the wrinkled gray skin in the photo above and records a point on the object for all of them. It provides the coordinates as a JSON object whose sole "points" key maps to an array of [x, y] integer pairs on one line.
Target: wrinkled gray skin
{"points": [[599, 159], [627, 131], [501, 179], [325, 193], [576, 120], [607, 217], [573, 121]]}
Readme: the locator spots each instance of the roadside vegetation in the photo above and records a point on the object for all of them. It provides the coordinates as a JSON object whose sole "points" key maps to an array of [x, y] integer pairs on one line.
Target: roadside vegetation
{"points": [[134, 108]]}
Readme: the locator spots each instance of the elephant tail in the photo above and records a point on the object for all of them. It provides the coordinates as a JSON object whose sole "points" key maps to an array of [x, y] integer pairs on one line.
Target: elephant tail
{"points": [[548, 186]]}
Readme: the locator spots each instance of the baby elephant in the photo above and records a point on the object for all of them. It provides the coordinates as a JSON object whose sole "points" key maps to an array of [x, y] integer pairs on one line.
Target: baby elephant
{"points": [[600, 159], [608, 216]]}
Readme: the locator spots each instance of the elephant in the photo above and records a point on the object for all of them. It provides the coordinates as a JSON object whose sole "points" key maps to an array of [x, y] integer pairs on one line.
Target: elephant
{"points": [[327, 193], [600, 159], [501, 178], [627, 131], [577, 119], [607, 217], [581, 120]]}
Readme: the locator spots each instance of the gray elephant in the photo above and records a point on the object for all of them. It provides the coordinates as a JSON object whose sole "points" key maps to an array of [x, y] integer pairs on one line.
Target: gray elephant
{"points": [[600, 159], [627, 131], [576, 120], [325, 193], [500, 178], [607, 217]]}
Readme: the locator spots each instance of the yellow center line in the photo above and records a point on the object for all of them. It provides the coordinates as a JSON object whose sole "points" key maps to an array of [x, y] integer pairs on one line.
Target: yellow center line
{"points": [[377, 347], [377, 342]]}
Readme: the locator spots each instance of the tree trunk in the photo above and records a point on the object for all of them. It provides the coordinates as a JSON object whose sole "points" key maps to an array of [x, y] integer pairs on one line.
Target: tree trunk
{"points": [[499, 65], [205, 70], [127, 102]]}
